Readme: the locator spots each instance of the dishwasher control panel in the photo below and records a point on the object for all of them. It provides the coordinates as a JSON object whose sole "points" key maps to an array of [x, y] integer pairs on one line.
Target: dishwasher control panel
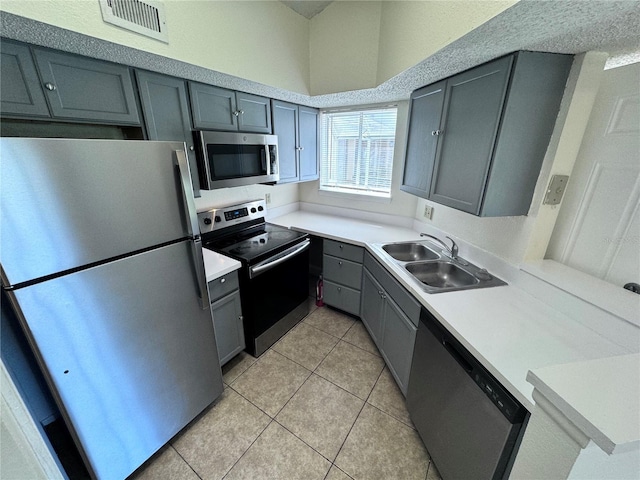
{"points": [[509, 407]]}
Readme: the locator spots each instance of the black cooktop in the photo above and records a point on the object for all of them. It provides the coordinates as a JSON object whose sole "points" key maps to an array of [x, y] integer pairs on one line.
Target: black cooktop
{"points": [[255, 242]]}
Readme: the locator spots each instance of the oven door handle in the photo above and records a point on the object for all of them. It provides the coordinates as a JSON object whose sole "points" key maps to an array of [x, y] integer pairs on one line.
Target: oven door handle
{"points": [[278, 259]]}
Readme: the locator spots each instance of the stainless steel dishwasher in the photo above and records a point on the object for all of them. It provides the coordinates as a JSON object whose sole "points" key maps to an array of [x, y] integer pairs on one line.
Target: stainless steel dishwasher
{"points": [[469, 423]]}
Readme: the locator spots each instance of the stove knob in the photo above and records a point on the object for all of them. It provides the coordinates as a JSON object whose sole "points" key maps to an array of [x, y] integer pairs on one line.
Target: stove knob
{"points": [[253, 210], [260, 208], [207, 221], [218, 219], [262, 240]]}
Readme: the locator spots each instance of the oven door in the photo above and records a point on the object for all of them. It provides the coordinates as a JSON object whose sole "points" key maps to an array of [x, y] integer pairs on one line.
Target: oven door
{"points": [[274, 296], [236, 159]]}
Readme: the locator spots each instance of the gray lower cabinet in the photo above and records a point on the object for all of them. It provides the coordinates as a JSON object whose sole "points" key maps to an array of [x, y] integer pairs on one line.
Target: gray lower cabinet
{"points": [[476, 141], [342, 275], [21, 93], [165, 108], [216, 108], [84, 89], [297, 130], [391, 316], [227, 316]]}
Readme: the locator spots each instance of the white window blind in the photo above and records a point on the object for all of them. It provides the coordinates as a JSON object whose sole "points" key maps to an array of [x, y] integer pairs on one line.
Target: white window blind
{"points": [[356, 151]]}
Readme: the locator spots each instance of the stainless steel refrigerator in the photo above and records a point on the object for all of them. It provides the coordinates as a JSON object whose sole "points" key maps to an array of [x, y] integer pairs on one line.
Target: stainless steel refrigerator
{"points": [[102, 263]]}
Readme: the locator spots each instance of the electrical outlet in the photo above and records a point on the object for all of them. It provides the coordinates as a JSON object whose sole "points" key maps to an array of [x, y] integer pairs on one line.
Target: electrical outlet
{"points": [[267, 198], [428, 212]]}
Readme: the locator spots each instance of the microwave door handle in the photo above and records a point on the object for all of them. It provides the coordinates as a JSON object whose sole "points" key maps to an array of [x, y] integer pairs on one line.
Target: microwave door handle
{"points": [[266, 164], [282, 257], [187, 193], [203, 162]]}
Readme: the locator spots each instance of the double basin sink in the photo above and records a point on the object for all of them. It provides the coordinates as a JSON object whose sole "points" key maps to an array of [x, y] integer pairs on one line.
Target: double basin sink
{"points": [[436, 271]]}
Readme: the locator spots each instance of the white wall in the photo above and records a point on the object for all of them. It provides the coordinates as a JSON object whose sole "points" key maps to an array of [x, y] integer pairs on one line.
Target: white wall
{"points": [[401, 204], [343, 47], [281, 195], [412, 31], [263, 41]]}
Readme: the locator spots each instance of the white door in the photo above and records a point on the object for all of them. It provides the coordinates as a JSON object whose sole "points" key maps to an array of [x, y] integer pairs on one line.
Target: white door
{"points": [[598, 228]]}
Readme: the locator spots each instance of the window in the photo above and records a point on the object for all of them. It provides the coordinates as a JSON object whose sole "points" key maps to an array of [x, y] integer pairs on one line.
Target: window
{"points": [[356, 151]]}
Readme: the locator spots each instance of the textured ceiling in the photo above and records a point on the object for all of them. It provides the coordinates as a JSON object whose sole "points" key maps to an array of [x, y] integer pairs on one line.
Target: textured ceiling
{"points": [[306, 8], [561, 26]]}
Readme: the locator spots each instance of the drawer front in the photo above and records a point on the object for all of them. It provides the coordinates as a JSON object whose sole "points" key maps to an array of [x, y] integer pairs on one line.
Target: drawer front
{"points": [[342, 271], [223, 285], [344, 250], [407, 303], [344, 298]]}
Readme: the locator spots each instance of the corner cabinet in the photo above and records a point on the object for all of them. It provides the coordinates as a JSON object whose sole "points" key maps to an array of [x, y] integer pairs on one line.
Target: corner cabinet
{"points": [[297, 129], [391, 315], [165, 108], [216, 108], [476, 141], [227, 316]]}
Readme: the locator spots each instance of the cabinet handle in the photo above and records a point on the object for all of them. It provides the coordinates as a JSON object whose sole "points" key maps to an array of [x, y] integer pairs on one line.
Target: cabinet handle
{"points": [[241, 318], [436, 133], [300, 148], [50, 86], [340, 263], [223, 280], [236, 113], [241, 112], [383, 297], [339, 289], [340, 247], [191, 147]]}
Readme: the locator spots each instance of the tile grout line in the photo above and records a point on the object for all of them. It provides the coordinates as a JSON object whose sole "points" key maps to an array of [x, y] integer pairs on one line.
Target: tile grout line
{"points": [[185, 461], [356, 421], [251, 445]]}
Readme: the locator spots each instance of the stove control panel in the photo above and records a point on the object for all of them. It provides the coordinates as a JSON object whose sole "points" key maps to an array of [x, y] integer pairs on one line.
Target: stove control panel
{"points": [[229, 215]]}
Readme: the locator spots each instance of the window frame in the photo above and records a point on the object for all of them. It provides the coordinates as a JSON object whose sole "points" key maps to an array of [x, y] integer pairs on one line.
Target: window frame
{"points": [[354, 193]]}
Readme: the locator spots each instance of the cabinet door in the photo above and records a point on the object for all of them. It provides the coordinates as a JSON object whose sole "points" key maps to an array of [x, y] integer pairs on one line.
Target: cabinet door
{"points": [[228, 326], [255, 113], [398, 340], [425, 113], [165, 108], [285, 126], [84, 89], [372, 307], [308, 143], [473, 107], [213, 108], [21, 92]]}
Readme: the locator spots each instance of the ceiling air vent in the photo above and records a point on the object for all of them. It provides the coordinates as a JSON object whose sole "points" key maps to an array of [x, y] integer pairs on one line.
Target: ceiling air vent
{"points": [[144, 17]]}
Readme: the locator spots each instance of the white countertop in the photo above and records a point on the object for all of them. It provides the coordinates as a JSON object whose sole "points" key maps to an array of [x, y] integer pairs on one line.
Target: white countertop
{"points": [[595, 395], [216, 265], [509, 331]]}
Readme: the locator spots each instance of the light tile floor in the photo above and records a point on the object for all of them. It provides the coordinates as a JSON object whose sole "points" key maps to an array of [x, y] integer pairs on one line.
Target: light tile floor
{"points": [[320, 404]]}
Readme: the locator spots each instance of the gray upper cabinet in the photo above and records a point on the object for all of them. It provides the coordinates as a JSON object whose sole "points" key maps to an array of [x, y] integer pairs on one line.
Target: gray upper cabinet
{"points": [[476, 141], [297, 130], [165, 108], [84, 89], [425, 112], [21, 91], [216, 108]]}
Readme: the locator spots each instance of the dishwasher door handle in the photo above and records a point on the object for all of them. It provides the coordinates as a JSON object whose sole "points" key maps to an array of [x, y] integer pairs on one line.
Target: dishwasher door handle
{"points": [[457, 356], [278, 259]]}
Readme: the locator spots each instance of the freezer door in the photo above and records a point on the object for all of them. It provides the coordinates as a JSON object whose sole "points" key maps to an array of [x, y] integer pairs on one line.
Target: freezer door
{"points": [[69, 203], [129, 354]]}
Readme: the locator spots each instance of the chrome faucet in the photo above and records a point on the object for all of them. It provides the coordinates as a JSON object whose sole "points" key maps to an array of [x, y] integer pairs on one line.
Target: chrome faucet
{"points": [[450, 251]]}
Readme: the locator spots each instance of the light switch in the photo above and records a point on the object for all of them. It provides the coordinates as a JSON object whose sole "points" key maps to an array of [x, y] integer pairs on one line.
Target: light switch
{"points": [[556, 189]]}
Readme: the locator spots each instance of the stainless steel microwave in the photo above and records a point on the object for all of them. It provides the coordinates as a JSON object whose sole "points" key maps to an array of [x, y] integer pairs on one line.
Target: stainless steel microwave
{"points": [[234, 159]]}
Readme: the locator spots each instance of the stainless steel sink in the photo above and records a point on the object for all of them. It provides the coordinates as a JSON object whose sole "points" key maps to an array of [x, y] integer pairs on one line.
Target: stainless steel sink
{"points": [[433, 268], [441, 274], [410, 252]]}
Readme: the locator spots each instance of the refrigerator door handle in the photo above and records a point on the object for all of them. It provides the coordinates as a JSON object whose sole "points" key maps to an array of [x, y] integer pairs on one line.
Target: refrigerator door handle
{"points": [[187, 193], [198, 259]]}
